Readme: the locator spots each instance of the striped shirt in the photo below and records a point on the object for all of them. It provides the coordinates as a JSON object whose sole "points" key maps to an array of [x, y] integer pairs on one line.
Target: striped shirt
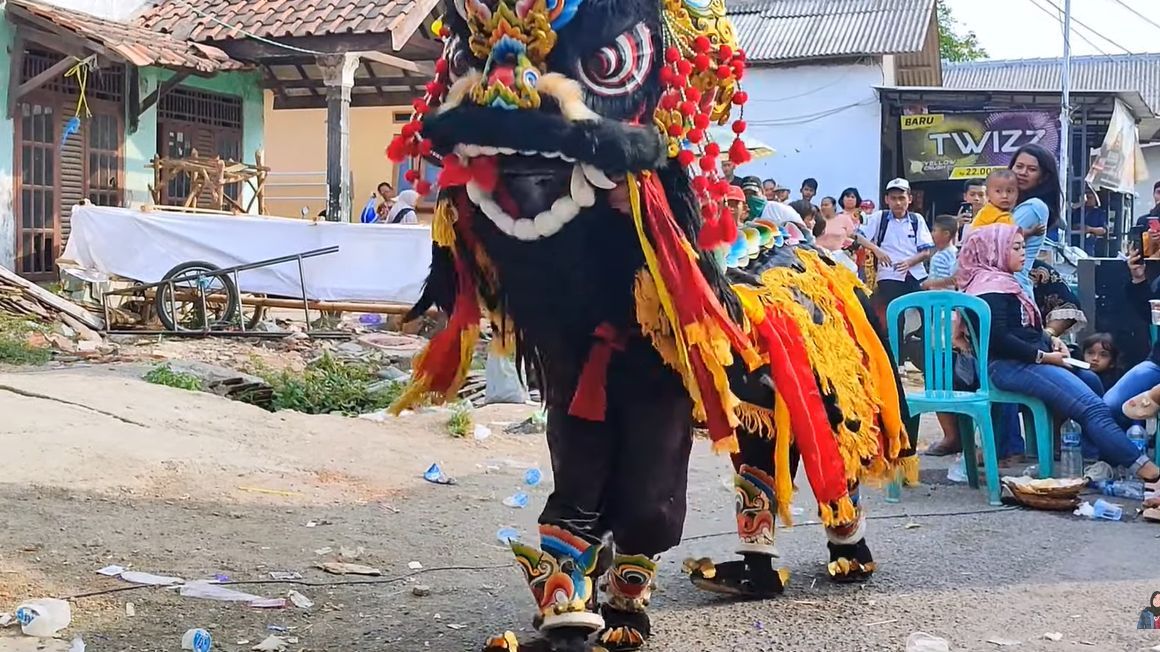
{"points": [[944, 262]]}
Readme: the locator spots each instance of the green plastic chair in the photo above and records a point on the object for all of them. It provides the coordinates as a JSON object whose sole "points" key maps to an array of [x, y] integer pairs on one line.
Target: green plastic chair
{"points": [[938, 395]]}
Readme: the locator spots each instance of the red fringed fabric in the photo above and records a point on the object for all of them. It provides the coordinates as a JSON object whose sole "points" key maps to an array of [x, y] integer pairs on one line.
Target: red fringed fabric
{"points": [[696, 306], [794, 379], [590, 400]]}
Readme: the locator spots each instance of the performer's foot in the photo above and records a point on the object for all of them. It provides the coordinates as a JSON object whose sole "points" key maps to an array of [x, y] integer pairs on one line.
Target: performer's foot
{"points": [[564, 639], [850, 562], [624, 631], [754, 577]]}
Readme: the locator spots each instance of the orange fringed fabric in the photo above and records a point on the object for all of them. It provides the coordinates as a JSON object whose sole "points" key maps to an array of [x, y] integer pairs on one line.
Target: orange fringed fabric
{"points": [[440, 369], [705, 334]]}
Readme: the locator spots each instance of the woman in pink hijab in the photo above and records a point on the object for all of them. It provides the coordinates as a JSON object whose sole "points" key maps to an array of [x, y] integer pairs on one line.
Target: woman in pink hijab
{"points": [[1025, 359]]}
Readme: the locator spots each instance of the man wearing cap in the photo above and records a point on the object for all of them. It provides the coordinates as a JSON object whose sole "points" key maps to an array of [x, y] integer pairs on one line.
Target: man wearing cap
{"points": [[901, 242], [735, 203], [781, 194]]}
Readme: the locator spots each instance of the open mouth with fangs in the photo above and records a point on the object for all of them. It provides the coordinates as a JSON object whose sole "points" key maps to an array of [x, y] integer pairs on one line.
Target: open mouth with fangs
{"points": [[529, 194]]}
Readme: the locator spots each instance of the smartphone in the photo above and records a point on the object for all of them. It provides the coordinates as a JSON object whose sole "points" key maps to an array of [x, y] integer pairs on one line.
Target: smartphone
{"points": [[1136, 239], [1076, 364], [965, 208]]}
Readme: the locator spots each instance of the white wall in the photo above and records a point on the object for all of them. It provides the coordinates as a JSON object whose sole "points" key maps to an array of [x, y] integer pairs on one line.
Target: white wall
{"points": [[805, 113], [113, 9], [1144, 189]]}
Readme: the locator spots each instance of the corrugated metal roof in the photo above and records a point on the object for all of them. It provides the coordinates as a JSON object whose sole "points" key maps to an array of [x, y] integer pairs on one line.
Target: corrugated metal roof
{"points": [[1127, 72], [774, 31]]}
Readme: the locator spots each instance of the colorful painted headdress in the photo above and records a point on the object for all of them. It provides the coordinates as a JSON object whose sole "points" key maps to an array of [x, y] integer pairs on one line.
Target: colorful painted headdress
{"points": [[699, 70]]}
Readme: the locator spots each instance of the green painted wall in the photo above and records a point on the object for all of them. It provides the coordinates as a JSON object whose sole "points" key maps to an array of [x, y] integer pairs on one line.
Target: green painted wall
{"points": [[7, 224], [141, 146]]}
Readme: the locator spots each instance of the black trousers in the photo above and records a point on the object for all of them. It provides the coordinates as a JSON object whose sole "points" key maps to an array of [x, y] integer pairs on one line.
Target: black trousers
{"points": [[628, 474], [888, 291]]}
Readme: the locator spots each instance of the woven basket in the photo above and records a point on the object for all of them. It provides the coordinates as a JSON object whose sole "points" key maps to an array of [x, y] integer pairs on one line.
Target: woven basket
{"points": [[1038, 501], [1057, 488]]}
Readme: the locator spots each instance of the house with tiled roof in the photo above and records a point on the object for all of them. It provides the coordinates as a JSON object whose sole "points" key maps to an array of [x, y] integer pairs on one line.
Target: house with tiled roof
{"points": [[89, 100], [388, 51], [814, 68]]}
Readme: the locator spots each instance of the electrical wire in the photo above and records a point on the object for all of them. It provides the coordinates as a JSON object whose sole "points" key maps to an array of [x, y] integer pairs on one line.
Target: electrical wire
{"points": [[819, 89], [810, 117], [1057, 18], [872, 517], [1137, 13], [1089, 28], [248, 34], [379, 580]]}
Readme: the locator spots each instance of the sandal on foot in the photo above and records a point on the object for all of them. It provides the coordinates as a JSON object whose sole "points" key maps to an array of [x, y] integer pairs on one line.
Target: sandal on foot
{"points": [[850, 563], [738, 578], [624, 631], [942, 449], [1141, 407]]}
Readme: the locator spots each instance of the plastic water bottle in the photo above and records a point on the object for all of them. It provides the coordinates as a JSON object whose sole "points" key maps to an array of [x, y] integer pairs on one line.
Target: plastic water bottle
{"points": [[197, 640], [1130, 489], [1070, 453], [44, 617], [1139, 437], [1107, 511]]}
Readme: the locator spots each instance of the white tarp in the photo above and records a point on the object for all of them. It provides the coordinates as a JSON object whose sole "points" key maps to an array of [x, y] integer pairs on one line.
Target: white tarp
{"points": [[375, 262]]}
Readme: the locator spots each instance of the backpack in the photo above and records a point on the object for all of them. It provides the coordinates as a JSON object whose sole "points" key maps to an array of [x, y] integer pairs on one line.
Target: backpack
{"points": [[884, 220]]}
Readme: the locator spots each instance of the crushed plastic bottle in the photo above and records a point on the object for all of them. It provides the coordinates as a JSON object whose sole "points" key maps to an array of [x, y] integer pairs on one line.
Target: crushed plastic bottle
{"points": [[44, 617], [507, 534], [533, 476], [370, 319], [197, 640], [958, 471], [517, 500], [1107, 511]]}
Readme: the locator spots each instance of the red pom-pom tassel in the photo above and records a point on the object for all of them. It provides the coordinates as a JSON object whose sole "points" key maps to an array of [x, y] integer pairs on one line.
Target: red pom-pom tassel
{"points": [[686, 157]]}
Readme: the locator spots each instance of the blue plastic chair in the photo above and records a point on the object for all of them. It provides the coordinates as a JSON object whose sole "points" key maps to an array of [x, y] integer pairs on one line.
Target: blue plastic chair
{"points": [[938, 395]]}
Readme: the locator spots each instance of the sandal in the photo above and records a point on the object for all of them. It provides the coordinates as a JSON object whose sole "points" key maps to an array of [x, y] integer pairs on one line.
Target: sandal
{"points": [[1141, 407], [942, 449]]}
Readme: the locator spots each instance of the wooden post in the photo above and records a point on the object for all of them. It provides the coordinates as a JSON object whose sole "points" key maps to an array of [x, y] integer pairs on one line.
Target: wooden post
{"points": [[260, 192], [338, 75]]}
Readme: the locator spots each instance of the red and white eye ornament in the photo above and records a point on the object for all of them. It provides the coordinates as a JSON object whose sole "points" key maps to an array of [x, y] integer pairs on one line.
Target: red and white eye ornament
{"points": [[622, 67]]}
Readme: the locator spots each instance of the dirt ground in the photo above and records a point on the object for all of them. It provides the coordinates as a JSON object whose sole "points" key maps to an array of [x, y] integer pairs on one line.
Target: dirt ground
{"points": [[99, 468]]}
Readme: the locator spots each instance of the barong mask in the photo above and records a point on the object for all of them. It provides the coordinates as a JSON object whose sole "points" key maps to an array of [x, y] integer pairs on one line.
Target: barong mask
{"points": [[540, 107]]}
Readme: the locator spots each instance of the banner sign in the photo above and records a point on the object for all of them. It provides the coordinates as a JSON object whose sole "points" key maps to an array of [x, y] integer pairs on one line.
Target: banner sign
{"points": [[941, 146], [1119, 165]]}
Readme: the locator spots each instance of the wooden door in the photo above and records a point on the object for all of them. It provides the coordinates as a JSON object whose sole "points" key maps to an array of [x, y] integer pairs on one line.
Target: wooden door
{"points": [[38, 239]]}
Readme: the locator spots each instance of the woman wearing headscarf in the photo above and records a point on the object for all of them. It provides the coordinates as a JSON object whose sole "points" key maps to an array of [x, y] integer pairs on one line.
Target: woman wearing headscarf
{"points": [[1150, 616], [403, 211], [1025, 359]]}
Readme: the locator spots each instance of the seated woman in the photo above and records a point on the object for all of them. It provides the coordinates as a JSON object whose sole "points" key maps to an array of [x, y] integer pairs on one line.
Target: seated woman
{"points": [[1025, 359], [1136, 396]]}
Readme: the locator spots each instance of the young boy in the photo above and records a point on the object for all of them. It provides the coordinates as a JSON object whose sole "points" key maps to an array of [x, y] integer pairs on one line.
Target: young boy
{"points": [[944, 262]]}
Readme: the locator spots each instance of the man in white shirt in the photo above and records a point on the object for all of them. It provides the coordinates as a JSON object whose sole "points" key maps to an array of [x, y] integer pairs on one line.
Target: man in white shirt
{"points": [[900, 240]]}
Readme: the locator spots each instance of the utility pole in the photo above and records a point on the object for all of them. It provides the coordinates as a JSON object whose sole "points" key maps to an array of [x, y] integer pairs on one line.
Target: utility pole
{"points": [[1065, 121]]}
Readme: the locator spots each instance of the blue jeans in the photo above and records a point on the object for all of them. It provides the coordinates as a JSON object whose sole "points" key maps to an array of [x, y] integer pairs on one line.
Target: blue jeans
{"points": [[1067, 394], [1140, 378]]}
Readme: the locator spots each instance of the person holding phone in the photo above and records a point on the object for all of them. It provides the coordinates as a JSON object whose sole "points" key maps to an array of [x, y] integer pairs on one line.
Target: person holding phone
{"points": [[1136, 396], [1024, 359], [974, 197]]}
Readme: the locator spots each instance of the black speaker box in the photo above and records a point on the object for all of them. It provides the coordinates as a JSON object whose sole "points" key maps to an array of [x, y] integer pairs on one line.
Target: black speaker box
{"points": [[1102, 282]]}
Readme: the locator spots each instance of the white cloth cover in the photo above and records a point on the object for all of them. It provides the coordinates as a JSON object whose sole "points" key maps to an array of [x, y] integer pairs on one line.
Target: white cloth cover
{"points": [[375, 262]]}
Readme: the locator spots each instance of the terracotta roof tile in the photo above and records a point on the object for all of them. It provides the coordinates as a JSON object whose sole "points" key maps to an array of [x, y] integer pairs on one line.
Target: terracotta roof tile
{"points": [[134, 43], [276, 18]]}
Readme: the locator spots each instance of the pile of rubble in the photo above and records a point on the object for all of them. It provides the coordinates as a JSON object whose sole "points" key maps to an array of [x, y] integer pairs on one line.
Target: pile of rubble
{"points": [[62, 324]]}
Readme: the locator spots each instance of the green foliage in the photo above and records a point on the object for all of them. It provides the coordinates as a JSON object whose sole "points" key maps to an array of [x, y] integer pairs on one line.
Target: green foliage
{"points": [[329, 386], [165, 375], [14, 346], [953, 46], [459, 425]]}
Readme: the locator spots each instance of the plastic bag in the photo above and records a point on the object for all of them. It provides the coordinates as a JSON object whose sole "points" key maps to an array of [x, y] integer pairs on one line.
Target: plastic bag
{"points": [[503, 381]]}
